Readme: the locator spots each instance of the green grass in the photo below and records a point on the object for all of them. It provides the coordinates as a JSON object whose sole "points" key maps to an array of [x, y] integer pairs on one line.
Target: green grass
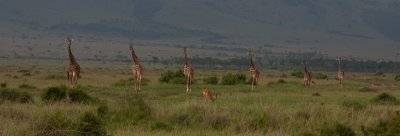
{"points": [[283, 107]]}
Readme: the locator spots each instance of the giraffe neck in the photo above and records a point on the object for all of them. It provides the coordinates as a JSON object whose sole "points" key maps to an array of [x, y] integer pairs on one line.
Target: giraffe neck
{"points": [[71, 56], [134, 57], [253, 65], [305, 69], [186, 59], [340, 66]]}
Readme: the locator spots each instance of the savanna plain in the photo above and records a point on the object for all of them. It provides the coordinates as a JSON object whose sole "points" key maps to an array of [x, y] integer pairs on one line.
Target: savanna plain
{"points": [[36, 99]]}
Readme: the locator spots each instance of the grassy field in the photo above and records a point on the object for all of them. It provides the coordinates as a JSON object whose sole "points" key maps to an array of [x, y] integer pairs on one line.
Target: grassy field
{"points": [[275, 108]]}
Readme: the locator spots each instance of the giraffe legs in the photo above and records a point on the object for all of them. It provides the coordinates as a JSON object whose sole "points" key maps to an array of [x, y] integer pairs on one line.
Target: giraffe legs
{"points": [[188, 83], [253, 83], [74, 79], [139, 82]]}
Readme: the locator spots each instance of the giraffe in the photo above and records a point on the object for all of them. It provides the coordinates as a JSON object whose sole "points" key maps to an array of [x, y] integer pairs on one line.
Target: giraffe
{"points": [[254, 71], [307, 76], [74, 69], [188, 72], [340, 74], [137, 69]]}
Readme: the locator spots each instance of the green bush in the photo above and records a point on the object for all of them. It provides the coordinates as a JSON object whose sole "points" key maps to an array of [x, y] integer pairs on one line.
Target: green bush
{"points": [[259, 123], [170, 77], [217, 122], [52, 94], [336, 130], [15, 96], [3, 85], [157, 125], [367, 89], [320, 76], [129, 82], [397, 78], [297, 74], [55, 77], [233, 79], [60, 124], [280, 81], [56, 124], [353, 105], [188, 117], [26, 86], [379, 74], [102, 110], [211, 80], [91, 125], [133, 111], [385, 98], [390, 127], [78, 96]]}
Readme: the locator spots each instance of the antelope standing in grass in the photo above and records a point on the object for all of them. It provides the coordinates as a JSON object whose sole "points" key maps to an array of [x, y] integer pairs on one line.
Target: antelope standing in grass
{"points": [[208, 95]]}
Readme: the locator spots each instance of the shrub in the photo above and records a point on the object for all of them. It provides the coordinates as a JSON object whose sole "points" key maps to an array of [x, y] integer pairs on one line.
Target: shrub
{"points": [[320, 76], [54, 77], [259, 123], [3, 85], [211, 80], [336, 130], [91, 125], [353, 105], [129, 82], [389, 127], [78, 96], [25, 98], [133, 111], [397, 78], [385, 98], [15, 96], [54, 94], [170, 77], [297, 74], [233, 79], [281, 81], [367, 89], [26, 86], [102, 110], [188, 117], [157, 125], [379, 74], [56, 124], [216, 121]]}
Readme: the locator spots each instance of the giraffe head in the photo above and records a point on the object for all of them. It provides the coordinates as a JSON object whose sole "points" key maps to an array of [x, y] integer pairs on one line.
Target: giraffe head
{"points": [[69, 41], [250, 51], [184, 49], [339, 58], [304, 62], [131, 46]]}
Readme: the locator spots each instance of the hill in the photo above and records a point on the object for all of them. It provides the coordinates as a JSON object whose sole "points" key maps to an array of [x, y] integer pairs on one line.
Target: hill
{"points": [[365, 29]]}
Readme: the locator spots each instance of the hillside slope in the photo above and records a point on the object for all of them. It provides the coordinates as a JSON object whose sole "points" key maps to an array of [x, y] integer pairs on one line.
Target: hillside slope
{"points": [[361, 28]]}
